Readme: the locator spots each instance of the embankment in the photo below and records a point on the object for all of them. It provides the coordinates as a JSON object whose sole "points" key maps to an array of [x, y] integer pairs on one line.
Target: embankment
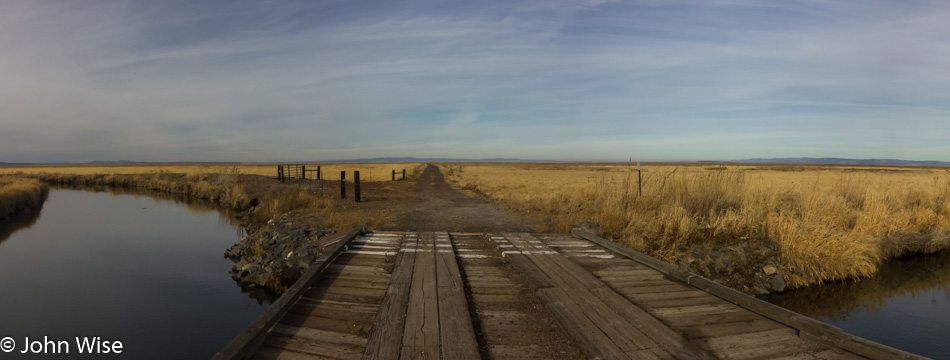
{"points": [[19, 196], [283, 226]]}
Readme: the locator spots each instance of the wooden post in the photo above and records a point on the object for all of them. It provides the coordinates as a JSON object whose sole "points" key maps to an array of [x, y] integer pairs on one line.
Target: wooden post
{"points": [[394, 174], [356, 185], [342, 184], [404, 174], [280, 173], [639, 181], [318, 173]]}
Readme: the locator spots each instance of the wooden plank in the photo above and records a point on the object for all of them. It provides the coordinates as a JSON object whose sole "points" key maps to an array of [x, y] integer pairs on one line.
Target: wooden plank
{"points": [[670, 341], [421, 336], [687, 321], [320, 335], [821, 332], [312, 348], [457, 335], [309, 303], [267, 352], [246, 343], [758, 345], [586, 334], [386, 335], [329, 324], [730, 328]]}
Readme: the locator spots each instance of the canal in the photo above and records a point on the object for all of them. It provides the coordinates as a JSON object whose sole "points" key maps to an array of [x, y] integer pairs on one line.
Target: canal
{"points": [[145, 271], [906, 305]]}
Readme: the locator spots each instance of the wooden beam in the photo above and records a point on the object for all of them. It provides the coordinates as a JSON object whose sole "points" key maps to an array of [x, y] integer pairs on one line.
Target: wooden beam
{"points": [[248, 341]]}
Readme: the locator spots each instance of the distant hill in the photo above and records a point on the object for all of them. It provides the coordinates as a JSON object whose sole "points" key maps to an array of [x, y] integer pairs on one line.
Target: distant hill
{"points": [[413, 159], [120, 162], [844, 161]]}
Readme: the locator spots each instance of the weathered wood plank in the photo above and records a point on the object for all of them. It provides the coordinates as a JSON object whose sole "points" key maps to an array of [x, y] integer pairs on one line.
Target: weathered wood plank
{"points": [[385, 338], [421, 336], [457, 335], [730, 328], [312, 348], [320, 335], [585, 332], [246, 343]]}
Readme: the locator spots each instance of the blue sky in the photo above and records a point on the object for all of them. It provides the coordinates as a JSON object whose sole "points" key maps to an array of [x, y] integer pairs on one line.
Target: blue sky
{"points": [[563, 80]]}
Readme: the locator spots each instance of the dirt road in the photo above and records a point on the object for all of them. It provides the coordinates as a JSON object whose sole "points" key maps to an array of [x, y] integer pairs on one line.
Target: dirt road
{"points": [[435, 206]]}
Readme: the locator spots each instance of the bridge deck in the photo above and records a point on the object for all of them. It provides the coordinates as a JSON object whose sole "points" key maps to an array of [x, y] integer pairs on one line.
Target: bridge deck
{"points": [[516, 296]]}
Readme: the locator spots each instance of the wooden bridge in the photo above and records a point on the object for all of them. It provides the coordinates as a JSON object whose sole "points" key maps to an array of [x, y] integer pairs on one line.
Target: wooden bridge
{"points": [[409, 295]]}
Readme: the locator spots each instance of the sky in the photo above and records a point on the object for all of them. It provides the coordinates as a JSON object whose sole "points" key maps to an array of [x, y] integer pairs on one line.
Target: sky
{"points": [[595, 80]]}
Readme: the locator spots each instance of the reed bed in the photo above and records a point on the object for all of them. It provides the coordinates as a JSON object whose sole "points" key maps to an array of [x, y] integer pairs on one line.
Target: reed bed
{"points": [[223, 184], [19, 195], [330, 171], [830, 223]]}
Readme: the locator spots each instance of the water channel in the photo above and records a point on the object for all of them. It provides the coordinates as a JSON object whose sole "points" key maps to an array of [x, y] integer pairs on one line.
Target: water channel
{"points": [[906, 305], [146, 271]]}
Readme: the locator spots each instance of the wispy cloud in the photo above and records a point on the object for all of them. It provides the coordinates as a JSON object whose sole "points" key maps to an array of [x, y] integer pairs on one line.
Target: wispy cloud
{"points": [[599, 80]]}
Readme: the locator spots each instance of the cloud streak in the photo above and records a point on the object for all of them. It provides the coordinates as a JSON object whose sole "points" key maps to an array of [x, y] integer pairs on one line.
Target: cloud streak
{"points": [[573, 80]]}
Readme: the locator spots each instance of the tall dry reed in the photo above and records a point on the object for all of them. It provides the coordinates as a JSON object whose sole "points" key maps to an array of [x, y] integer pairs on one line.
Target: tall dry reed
{"points": [[19, 195], [829, 222]]}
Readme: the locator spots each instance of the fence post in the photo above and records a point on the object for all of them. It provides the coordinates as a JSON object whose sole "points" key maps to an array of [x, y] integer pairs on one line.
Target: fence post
{"points": [[356, 185], [280, 173], [404, 174], [394, 174], [318, 173], [342, 184], [639, 181]]}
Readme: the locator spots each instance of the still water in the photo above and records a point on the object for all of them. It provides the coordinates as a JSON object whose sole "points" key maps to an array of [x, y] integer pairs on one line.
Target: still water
{"points": [[906, 305], [144, 271]]}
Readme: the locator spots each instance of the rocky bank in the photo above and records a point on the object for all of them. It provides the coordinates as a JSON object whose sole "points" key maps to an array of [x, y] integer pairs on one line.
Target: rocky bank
{"points": [[275, 256]]}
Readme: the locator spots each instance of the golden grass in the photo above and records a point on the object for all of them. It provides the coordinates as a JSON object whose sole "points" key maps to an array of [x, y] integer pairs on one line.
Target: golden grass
{"points": [[330, 171], [222, 184], [20, 195], [829, 222], [332, 214]]}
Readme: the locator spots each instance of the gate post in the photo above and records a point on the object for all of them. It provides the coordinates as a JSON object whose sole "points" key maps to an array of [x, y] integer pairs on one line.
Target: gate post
{"points": [[342, 184], [356, 185]]}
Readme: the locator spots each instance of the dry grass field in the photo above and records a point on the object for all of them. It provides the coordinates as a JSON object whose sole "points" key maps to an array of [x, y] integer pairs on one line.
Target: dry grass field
{"points": [[224, 184], [829, 222], [331, 171], [18, 195]]}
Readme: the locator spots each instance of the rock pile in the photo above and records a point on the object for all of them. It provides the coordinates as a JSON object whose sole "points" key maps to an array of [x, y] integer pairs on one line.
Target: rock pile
{"points": [[751, 267], [275, 256]]}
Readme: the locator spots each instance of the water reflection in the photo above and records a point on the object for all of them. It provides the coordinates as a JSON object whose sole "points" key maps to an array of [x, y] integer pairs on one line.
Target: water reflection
{"points": [[915, 276], [14, 223], [906, 304], [144, 270]]}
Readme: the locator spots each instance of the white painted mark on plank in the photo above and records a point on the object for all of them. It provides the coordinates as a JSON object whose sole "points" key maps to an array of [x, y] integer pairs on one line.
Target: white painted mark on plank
{"points": [[594, 256], [370, 252], [374, 248], [423, 250], [375, 241], [584, 251], [473, 256], [529, 252]]}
